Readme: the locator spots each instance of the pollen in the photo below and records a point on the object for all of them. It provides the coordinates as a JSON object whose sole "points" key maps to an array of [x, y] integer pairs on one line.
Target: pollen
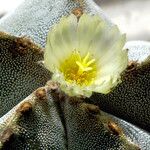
{"points": [[79, 69]]}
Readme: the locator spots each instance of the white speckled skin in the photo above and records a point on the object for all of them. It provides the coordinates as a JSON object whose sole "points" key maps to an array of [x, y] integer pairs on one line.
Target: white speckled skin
{"points": [[33, 19], [138, 50], [131, 99]]}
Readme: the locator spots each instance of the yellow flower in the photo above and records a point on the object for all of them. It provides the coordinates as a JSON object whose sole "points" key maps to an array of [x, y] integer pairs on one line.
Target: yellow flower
{"points": [[85, 56]]}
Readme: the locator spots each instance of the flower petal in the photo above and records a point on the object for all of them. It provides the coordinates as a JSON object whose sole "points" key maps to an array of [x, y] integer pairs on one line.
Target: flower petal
{"points": [[85, 32], [72, 89], [104, 39], [115, 61], [50, 60], [111, 65], [92, 38], [61, 41]]}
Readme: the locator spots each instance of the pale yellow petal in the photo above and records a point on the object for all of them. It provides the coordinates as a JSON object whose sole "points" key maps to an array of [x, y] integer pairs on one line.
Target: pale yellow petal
{"points": [[115, 60], [60, 41], [99, 48], [111, 66], [50, 60], [85, 32], [63, 37], [104, 39]]}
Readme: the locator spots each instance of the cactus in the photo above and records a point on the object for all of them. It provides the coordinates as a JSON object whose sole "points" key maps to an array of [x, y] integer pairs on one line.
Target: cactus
{"points": [[49, 119]]}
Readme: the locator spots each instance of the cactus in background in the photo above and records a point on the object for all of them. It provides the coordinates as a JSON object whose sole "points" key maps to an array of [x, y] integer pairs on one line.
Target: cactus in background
{"points": [[49, 119]]}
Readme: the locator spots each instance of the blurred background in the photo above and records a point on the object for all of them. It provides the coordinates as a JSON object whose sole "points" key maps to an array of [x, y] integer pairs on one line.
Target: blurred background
{"points": [[132, 16]]}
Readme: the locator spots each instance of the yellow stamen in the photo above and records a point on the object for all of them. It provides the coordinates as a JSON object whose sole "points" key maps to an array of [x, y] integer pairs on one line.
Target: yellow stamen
{"points": [[86, 57], [81, 70], [90, 62]]}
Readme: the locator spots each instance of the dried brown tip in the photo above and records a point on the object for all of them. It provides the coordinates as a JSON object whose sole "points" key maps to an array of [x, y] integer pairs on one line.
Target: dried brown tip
{"points": [[132, 66], [114, 128], [138, 148], [6, 135], [61, 96], [25, 107], [52, 85], [78, 12], [3, 33], [74, 100], [23, 45], [90, 108], [41, 94]]}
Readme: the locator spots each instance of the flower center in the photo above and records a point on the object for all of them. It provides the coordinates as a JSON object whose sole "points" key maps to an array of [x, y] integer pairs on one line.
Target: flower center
{"points": [[81, 70]]}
